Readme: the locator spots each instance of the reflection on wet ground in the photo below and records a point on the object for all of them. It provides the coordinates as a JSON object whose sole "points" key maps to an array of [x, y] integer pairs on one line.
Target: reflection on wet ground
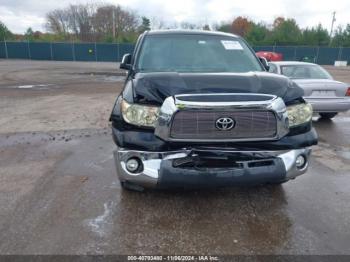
{"points": [[80, 207]]}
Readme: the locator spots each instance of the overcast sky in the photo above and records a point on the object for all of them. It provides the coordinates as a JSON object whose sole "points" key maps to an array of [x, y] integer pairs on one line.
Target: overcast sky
{"points": [[18, 15]]}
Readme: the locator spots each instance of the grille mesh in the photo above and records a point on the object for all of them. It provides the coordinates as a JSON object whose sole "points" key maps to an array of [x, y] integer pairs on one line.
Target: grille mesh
{"points": [[201, 125]]}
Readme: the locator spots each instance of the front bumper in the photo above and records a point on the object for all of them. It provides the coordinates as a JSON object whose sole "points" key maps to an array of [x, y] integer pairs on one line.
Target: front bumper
{"points": [[324, 105], [209, 167]]}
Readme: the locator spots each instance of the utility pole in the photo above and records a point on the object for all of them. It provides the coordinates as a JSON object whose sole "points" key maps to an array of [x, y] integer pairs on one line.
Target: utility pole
{"points": [[113, 23], [6, 52], [333, 20], [29, 53]]}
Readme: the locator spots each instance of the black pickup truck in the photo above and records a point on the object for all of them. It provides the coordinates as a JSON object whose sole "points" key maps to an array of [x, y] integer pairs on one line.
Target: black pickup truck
{"points": [[198, 109]]}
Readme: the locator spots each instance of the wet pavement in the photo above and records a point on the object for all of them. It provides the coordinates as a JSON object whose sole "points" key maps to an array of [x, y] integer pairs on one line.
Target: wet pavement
{"points": [[59, 193]]}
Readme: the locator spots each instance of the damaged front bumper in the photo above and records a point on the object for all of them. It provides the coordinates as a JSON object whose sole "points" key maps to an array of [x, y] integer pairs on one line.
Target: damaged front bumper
{"points": [[209, 167]]}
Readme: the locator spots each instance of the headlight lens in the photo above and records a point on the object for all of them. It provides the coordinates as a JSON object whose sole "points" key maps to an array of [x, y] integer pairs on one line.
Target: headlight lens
{"points": [[139, 115], [299, 114]]}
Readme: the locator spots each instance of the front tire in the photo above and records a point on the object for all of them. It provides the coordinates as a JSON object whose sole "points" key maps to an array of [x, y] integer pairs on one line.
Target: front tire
{"points": [[328, 115]]}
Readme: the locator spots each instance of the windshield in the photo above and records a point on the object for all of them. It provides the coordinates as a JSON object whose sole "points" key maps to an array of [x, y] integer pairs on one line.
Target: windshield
{"points": [[195, 53], [305, 72]]}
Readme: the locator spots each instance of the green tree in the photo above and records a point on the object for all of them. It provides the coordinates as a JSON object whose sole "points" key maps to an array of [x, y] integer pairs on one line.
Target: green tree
{"points": [[337, 39], [127, 37], [29, 34], [206, 27], [259, 34], [315, 36], [145, 25], [5, 34], [346, 36], [341, 37], [223, 27], [286, 32]]}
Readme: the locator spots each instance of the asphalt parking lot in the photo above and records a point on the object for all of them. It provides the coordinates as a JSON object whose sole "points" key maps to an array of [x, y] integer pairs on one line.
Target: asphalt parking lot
{"points": [[59, 192]]}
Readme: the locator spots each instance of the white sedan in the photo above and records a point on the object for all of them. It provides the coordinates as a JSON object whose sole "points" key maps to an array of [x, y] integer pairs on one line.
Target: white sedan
{"points": [[326, 95]]}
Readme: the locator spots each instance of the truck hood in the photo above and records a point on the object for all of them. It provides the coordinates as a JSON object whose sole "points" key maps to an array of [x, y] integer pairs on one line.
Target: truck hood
{"points": [[154, 88]]}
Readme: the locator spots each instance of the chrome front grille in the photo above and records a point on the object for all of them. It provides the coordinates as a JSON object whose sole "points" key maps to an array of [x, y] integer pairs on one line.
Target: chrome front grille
{"points": [[200, 124], [203, 118]]}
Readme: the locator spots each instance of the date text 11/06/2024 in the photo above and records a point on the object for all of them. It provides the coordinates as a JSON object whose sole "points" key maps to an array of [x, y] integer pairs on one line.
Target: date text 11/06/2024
{"points": [[173, 258]]}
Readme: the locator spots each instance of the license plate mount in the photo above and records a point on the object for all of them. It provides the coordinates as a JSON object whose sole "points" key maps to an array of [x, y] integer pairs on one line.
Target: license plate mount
{"points": [[323, 93]]}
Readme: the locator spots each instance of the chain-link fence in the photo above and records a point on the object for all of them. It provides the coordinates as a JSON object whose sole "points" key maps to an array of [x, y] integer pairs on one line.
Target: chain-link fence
{"points": [[314, 54], [113, 52], [65, 51]]}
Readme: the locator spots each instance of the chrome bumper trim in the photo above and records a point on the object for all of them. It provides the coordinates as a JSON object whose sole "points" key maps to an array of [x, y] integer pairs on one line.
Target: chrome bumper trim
{"points": [[152, 163]]}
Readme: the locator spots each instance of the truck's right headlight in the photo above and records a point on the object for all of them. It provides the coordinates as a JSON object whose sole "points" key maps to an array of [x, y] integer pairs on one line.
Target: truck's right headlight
{"points": [[139, 115], [299, 114]]}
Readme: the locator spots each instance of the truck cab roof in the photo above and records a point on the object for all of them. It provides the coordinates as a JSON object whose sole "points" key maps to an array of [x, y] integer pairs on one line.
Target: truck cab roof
{"points": [[189, 32]]}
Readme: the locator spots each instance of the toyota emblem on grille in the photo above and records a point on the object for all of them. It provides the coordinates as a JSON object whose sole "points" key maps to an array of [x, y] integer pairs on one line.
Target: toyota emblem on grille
{"points": [[225, 123]]}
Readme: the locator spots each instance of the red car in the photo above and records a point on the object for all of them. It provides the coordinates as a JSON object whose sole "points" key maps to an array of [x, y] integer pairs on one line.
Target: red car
{"points": [[270, 56]]}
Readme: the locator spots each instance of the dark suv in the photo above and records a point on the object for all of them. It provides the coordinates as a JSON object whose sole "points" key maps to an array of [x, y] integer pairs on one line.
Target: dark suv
{"points": [[198, 109]]}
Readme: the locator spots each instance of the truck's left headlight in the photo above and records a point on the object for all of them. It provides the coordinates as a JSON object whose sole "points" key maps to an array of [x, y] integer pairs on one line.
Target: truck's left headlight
{"points": [[139, 115], [299, 114]]}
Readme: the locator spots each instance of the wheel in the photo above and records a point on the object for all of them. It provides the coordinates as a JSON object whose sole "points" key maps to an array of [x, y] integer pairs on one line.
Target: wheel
{"points": [[131, 187], [328, 115]]}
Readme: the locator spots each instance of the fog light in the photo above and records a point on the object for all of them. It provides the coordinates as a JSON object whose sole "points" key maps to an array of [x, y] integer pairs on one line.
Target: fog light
{"points": [[300, 162], [132, 165]]}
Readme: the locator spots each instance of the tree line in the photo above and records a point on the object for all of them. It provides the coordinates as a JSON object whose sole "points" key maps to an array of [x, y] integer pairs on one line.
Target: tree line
{"points": [[114, 23], [286, 32]]}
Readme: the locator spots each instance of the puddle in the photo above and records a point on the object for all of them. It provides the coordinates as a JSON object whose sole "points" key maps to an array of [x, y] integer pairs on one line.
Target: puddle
{"points": [[342, 119], [100, 224], [336, 159], [26, 86], [114, 78], [344, 154], [40, 86], [107, 76]]}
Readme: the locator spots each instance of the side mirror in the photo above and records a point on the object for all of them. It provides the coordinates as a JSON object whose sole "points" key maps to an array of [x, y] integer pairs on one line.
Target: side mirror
{"points": [[126, 62], [263, 60]]}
